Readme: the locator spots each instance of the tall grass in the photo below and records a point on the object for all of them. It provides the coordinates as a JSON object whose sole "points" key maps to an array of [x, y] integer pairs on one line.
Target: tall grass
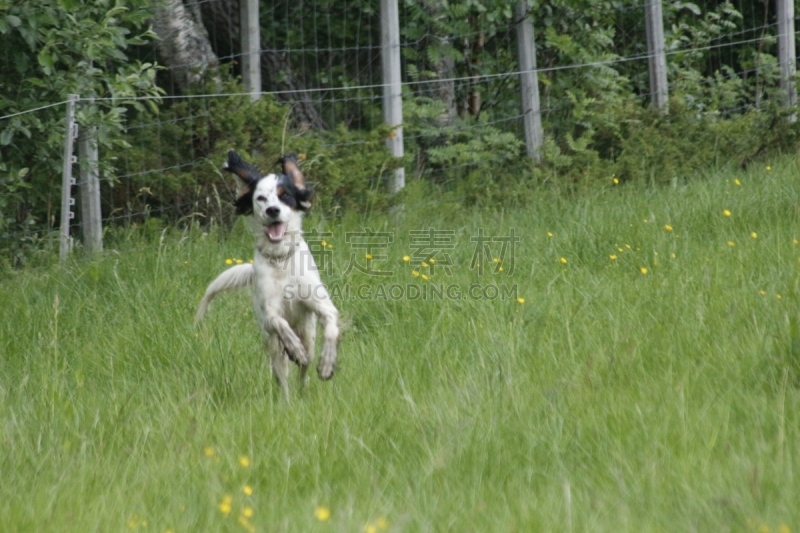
{"points": [[648, 381]]}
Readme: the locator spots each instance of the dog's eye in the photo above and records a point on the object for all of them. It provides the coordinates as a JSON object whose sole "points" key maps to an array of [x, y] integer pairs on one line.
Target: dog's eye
{"points": [[261, 198]]}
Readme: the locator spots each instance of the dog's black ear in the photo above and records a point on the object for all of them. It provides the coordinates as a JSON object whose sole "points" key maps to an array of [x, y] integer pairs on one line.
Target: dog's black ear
{"points": [[248, 175], [304, 199], [292, 169]]}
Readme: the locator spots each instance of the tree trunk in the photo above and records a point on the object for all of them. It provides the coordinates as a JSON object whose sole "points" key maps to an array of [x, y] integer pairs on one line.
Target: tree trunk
{"points": [[278, 76], [440, 85], [221, 18], [184, 45]]}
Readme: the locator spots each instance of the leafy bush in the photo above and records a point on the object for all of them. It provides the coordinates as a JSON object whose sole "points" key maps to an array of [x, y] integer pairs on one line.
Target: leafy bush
{"points": [[54, 48], [173, 168]]}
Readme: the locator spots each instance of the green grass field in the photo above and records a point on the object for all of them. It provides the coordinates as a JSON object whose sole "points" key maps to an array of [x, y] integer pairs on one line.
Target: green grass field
{"points": [[647, 380]]}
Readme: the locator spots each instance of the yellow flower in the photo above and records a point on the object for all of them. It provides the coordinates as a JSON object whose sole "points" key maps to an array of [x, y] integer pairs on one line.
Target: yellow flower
{"points": [[247, 512], [643, 270], [368, 256], [615, 181], [731, 243], [406, 258], [500, 269], [795, 242], [415, 274], [322, 513], [225, 505], [229, 261], [323, 244], [628, 246], [135, 522], [329, 247], [251, 261], [248, 490], [431, 260], [668, 227], [521, 300], [769, 168], [209, 451], [382, 523], [736, 182], [762, 292], [370, 528], [496, 260], [672, 255], [783, 528], [244, 461], [426, 278], [245, 523], [754, 235], [726, 212], [563, 260], [238, 261], [424, 264], [778, 296], [613, 257], [549, 234], [620, 249]]}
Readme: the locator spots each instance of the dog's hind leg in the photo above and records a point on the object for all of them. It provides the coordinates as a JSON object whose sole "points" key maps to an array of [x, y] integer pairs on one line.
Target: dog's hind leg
{"points": [[279, 363]]}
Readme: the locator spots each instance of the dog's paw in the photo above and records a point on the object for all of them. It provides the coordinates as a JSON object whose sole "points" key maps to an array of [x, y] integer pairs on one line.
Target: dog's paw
{"points": [[297, 353], [291, 343], [327, 363]]}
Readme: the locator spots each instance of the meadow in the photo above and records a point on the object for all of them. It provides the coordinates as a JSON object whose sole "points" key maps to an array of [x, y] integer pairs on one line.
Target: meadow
{"points": [[636, 367]]}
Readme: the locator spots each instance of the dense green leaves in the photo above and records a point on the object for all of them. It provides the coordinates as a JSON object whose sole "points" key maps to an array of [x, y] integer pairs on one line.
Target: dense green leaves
{"points": [[461, 99], [54, 48]]}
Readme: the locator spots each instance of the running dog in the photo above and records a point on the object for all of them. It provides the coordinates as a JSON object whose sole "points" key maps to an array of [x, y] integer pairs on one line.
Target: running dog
{"points": [[282, 269]]}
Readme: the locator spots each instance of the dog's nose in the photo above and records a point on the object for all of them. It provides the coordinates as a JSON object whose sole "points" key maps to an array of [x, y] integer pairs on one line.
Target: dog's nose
{"points": [[273, 212]]}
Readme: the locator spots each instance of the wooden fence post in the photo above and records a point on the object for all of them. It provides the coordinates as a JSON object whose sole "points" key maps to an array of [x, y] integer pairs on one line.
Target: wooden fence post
{"points": [[251, 47], [787, 55], [529, 82], [91, 216], [659, 91], [392, 91]]}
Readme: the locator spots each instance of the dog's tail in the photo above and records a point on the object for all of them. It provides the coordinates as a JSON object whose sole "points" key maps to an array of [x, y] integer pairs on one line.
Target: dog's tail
{"points": [[233, 278]]}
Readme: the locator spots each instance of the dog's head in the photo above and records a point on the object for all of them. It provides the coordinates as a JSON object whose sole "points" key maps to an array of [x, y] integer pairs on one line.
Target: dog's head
{"points": [[276, 201]]}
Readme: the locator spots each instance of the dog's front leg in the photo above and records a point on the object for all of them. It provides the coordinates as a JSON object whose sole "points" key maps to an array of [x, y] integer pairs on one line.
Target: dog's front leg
{"points": [[329, 317], [294, 346]]}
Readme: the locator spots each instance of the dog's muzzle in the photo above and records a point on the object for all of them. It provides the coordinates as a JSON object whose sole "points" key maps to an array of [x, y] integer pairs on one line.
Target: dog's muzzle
{"points": [[275, 231]]}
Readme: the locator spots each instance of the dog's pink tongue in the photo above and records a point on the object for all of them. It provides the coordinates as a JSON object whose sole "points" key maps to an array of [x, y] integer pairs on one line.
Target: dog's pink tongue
{"points": [[276, 231]]}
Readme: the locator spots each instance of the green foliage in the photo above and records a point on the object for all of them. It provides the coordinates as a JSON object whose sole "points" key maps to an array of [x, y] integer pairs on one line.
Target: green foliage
{"points": [[173, 167], [54, 48], [471, 157], [461, 103], [642, 144]]}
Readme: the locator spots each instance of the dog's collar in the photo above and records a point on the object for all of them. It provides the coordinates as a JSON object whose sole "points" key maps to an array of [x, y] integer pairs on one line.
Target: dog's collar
{"points": [[277, 261], [280, 260]]}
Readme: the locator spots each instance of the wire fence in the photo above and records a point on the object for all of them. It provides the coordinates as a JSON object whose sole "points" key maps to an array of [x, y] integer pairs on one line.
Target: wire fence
{"points": [[325, 68]]}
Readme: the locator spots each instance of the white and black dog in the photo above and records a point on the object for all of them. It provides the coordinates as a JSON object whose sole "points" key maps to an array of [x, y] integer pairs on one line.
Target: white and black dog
{"points": [[282, 261]]}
